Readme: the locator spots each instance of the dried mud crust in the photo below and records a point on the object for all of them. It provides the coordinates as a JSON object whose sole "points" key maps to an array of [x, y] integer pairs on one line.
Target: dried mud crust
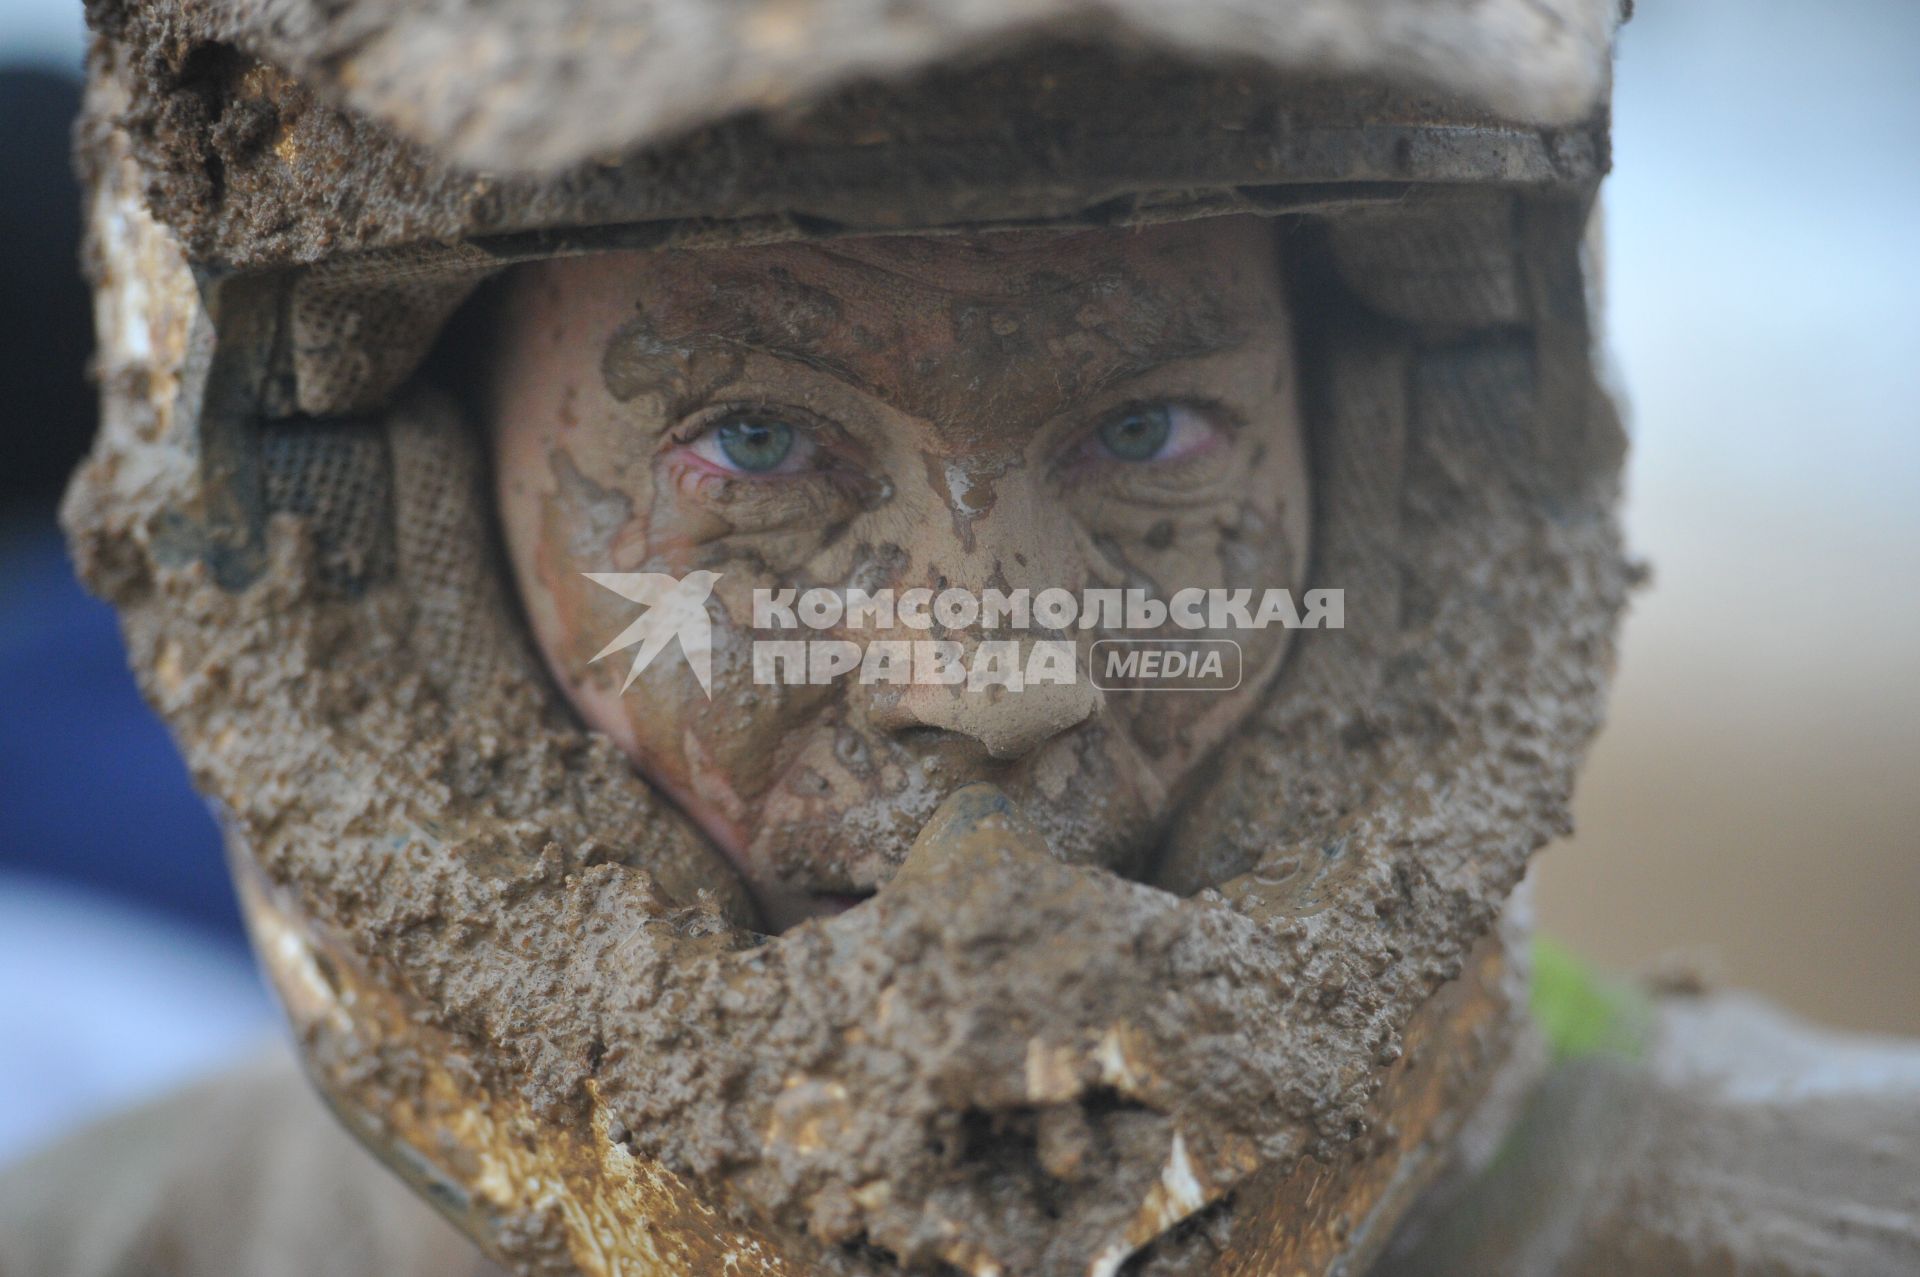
{"points": [[513, 86], [996, 1061], [1001, 1063], [251, 159]]}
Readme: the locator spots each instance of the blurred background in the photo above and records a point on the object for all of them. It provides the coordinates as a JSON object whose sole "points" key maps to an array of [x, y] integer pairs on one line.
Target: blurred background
{"points": [[1750, 813], [1753, 808]]}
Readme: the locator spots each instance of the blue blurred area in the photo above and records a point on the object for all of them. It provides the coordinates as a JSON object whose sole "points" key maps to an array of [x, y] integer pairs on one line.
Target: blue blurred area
{"points": [[95, 794], [107, 1004], [49, 33], [91, 791], [123, 970]]}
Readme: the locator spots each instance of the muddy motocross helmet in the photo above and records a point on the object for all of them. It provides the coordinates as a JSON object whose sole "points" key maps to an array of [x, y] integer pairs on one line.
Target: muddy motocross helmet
{"points": [[516, 971]]}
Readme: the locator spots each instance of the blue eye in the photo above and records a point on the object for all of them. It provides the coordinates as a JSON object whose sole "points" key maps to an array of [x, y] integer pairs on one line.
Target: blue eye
{"points": [[756, 444], [753, 445], [1154, 432], [1137, 434]]}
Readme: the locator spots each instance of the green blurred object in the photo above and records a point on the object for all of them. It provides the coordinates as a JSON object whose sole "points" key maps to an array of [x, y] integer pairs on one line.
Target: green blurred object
{"points": [[1580, 1011]]}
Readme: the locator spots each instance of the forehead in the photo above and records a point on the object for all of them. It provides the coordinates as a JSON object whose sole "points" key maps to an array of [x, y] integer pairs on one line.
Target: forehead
{"points": [[934, 324]]}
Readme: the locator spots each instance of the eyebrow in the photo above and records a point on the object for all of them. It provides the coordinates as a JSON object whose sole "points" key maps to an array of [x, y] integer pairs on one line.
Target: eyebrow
{"points": [[1172, 349], [792, 353], [1141, 339]]}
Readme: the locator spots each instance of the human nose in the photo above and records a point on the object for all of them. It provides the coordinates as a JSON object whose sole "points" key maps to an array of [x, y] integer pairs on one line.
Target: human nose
{"points": [[1016, 548]]}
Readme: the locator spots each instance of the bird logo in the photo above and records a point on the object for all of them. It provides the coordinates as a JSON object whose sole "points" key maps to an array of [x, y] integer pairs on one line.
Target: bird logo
{"points": [[676, 608]]}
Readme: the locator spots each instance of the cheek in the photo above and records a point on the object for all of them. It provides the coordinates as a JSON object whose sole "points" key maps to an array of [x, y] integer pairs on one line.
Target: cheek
{"points": [[1252, 543], [569, 618], [558, 522]]}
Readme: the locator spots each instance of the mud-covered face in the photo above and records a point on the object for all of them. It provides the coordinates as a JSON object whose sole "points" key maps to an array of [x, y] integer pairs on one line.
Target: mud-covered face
{"points": [[1109, 410]]}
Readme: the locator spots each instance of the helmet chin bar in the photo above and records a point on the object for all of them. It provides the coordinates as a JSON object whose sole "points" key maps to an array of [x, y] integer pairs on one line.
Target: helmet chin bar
{"points": [[524, 979], [499, 1169]]}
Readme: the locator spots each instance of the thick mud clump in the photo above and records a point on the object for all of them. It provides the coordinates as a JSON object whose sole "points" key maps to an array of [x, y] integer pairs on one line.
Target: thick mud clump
{"points": [[520, 974]]}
